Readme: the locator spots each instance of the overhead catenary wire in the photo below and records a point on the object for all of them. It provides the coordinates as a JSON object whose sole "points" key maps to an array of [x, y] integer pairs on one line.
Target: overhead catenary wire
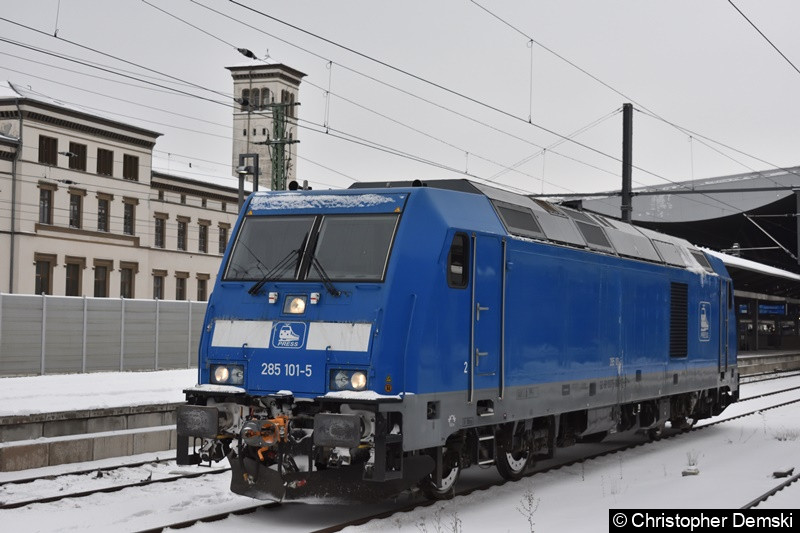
{"points": [[640, 107], [344, 136], [457, 94], [764, 36], [328, 94], [109, 70], [436, 85], [198, 4]]}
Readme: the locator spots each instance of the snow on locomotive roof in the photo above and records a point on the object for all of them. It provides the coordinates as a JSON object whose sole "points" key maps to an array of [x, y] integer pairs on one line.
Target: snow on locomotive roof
{"points": [[753, 266], [264, 201]]}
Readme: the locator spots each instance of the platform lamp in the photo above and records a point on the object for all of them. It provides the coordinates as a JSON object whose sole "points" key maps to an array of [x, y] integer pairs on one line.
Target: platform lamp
{"points": [[243, 170]]}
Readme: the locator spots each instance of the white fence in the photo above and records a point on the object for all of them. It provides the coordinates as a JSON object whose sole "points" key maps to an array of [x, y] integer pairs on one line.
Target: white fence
{"points": [[65, 334]]}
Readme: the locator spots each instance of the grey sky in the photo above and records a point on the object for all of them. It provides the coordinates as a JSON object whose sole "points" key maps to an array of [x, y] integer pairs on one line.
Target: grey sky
{"points": [[698, 64]]}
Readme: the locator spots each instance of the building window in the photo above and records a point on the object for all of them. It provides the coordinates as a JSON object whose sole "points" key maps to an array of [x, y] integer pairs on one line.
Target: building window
{"points": [[224, 206], [181, 235], [255, 98], [128, 219], [44, 273], [45, 205], [130, 167], [127, 279], [245, 100], [202, 289], [105, 162], [183, 198], [102, 270], [75, 209], [158, 284], [48, 150], [78, 160], [161, 196], [159, 238], [202, 237], [223, 238], [203, 202], [75, 267], [180, 285], [264, 97], [102, 214]]}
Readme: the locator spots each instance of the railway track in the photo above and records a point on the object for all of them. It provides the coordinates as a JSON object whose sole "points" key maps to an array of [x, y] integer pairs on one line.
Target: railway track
{"points": [[407, 504], [11, 497], [781, 486]]}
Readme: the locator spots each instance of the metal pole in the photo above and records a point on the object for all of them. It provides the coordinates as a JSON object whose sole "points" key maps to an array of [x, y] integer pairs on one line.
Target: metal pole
{"points": [[189, 344], [627, 161], [797, 221], [12, 235], [44, 331], [122, 334], [83, 344], [158, 322]]}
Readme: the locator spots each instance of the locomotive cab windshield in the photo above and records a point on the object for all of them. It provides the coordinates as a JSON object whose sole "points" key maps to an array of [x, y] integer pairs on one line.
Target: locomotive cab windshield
{"points": [[339, 247]]}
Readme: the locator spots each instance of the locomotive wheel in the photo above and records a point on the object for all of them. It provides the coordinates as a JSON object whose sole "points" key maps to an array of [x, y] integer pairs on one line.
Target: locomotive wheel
{"points": [[512, 465], [447, 489]]}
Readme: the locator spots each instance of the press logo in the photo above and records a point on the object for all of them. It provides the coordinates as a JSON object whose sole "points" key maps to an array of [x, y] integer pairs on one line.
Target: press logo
{"points": [[705, 324], [288, 335]]}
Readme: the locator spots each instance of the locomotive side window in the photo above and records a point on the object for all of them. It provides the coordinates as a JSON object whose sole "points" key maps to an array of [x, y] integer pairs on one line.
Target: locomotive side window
{"points": [[519, 220], [269, 245], [701, 258], [457, 262]]}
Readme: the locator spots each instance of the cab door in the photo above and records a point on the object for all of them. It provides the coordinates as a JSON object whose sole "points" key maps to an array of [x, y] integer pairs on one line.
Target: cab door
{"points": [[487, 314]]}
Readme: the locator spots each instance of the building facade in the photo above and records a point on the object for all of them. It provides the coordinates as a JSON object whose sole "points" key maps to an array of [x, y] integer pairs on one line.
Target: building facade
{"points": [[83, 214], [265, 120]]}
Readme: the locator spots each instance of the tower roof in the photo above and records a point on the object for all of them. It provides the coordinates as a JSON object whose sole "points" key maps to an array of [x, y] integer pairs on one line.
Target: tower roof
{"points": [[266, 71]]}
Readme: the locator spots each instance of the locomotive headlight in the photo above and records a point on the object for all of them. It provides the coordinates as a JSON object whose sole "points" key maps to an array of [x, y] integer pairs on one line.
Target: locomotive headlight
{"points": [[227, 374], [341, 379], [295, 305], [348, 380], [221, 374], [358, 381]]}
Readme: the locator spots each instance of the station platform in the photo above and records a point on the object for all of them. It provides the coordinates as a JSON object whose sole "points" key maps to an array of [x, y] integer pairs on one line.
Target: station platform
{"points": [[58, 419], [768, 361]]}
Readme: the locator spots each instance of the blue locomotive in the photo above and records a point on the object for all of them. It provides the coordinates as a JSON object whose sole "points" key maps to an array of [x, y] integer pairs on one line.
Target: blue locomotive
{"points": [[365, 341]]}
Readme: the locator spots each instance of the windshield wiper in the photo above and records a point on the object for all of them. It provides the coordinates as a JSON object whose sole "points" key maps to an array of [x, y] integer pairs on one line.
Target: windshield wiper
{"points": [[275, 272], [326, 279]]}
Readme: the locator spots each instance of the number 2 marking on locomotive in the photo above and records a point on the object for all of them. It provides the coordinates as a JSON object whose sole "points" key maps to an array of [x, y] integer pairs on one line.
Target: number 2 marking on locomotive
{"points": [[465, 367]]}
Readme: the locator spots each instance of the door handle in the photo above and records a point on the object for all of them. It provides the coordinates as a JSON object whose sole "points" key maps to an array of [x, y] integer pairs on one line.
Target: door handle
{"points": [[478, 355], [478, 310]]}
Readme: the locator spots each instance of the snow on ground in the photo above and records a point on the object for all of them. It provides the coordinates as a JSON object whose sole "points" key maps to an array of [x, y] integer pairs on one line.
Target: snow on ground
{"points": [[735, 462], [72, 392]]}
